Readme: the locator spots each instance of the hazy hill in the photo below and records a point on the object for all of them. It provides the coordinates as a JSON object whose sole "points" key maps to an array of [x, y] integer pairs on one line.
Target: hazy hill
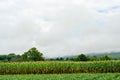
{"points": [[114, 55]]}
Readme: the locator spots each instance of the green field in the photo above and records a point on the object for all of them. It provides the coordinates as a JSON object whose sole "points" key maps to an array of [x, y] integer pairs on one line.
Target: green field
{"points": [[83, 76], [56, 70], [55, 67]]}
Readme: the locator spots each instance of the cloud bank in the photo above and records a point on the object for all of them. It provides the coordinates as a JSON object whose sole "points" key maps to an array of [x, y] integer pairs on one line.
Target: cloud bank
{"points": [[59, 27]]}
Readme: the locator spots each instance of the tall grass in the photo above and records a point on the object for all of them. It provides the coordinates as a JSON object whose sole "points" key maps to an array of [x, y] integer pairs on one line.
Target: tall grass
{"points": [[51, 67]]}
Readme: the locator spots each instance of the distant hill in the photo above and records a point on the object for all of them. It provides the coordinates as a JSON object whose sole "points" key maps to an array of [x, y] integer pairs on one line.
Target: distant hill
{"points": [[114, 55]]}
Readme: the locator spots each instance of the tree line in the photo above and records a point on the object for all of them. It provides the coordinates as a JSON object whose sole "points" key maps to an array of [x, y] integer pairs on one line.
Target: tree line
{"points": [[31, 55], [34, 55], [83, 57]]}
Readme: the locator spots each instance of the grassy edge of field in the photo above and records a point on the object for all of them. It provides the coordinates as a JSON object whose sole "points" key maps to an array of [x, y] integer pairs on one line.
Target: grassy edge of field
{"points": [[83, 76]]}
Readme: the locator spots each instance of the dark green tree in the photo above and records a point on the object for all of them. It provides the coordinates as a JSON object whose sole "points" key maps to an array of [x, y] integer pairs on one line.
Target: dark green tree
{"points": [[32, 55], [81, 57], [3, 58], [57, 59]]}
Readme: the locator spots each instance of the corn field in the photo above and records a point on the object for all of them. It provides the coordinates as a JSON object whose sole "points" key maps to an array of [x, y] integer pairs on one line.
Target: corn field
{"points": [[51, 67]]}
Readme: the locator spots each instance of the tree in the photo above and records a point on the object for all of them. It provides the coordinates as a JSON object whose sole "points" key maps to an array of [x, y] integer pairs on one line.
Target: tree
{"points": [[3, 58], [105, 57], [81, 57], [32, 55], [67, 59], [11, 56], [93, 58], [61, 59]]}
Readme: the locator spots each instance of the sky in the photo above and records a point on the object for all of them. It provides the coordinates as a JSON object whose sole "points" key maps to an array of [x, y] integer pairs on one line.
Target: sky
{"points": [[59, 27]]}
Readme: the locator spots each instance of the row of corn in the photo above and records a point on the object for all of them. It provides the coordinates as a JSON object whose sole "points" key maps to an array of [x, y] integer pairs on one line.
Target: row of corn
{"points": [[52, 67]]}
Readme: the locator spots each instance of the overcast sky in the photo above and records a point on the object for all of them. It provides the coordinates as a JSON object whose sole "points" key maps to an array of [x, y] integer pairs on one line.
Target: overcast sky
{"points": [[59, 27]]}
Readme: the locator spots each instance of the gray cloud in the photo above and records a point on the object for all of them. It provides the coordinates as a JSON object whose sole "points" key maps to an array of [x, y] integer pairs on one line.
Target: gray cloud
{"points": [[58, 27]]}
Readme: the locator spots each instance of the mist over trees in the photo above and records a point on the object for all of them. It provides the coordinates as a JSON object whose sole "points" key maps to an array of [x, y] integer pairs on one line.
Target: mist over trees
{"points": [[34, 55]]}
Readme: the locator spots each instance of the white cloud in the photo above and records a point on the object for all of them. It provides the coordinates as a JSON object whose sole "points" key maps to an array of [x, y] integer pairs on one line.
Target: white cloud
{"points": [[59, 27]]}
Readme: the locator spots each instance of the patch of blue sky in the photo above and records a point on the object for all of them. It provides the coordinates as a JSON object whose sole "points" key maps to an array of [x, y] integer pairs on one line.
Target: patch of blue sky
{"points": [[102, 11], [109, 9], [116, 7]]}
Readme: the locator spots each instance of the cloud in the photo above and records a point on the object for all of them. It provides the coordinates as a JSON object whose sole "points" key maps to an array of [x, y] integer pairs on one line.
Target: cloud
{"points": [[59, 27]]}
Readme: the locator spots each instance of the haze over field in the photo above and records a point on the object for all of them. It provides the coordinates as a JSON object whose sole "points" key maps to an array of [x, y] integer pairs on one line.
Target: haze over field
{"points": [[59, 27]]}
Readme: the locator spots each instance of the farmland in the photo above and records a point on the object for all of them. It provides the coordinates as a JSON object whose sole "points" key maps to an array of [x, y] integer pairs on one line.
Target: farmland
{"points": [[60, 70], [82, 76], [57, 67]]}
